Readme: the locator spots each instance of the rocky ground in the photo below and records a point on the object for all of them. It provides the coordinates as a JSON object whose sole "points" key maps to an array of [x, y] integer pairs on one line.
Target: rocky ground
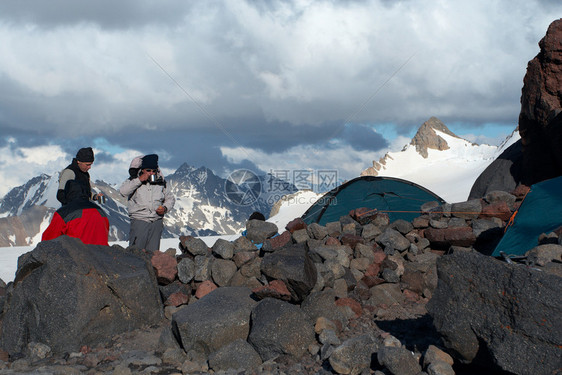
{"points": [[376, 276]]}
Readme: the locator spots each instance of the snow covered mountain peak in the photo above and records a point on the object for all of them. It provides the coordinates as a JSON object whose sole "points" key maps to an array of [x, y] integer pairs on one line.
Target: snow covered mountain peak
{"points": [[440, 161], [428, 137]]}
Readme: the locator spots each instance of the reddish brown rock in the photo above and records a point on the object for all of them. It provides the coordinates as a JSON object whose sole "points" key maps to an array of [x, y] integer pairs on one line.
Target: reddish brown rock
{"points": [[497, 209], [447, 237], [540, 119], [332, 241], [351, 240], [166, 267], [353, 304], [363, 215], [275, 289], [371, 280], [177, 299], [520, 191], [280, 241], [205, 288], [295, 225], [244, 257], [379, 255], [373, 269]]}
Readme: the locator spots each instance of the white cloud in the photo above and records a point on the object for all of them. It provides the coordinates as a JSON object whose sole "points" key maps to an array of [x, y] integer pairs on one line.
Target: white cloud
{"points": [[349, 163]]}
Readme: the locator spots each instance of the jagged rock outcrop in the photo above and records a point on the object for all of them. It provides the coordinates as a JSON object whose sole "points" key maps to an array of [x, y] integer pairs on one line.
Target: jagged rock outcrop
{"points": [[427, 138], [540, 120], [536, 156]]}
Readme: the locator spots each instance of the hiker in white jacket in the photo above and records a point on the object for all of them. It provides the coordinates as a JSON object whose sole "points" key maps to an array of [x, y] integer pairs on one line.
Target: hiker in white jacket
{"points": [[148, 200]]}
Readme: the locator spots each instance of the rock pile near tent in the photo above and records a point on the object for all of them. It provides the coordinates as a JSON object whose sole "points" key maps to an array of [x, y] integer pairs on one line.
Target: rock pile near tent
{"points": [[347, 298]]}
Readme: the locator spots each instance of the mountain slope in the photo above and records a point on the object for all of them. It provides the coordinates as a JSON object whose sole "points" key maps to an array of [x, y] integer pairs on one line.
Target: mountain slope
{"points": [[440, 161], [203, 207]]}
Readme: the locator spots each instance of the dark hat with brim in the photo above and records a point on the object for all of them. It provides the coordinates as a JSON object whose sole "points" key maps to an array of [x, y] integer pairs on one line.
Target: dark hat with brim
{"points": [[150, 162], [85, 155]]}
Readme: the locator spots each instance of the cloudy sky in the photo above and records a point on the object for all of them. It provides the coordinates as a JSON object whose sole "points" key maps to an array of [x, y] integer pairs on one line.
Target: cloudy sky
{"points": [[264, 85]]}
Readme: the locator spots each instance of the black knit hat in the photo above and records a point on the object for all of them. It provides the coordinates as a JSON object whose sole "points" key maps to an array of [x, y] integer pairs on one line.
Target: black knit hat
{"points": [[150, 162], [85, 155]]}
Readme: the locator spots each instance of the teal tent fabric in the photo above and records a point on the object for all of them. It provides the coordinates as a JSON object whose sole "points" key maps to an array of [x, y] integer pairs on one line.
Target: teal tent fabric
{"points": [[540, 212], [400, 199]]}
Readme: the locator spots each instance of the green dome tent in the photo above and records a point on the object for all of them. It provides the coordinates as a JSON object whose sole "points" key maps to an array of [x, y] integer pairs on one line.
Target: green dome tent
{"points": [[400, 199], [540, 212]]}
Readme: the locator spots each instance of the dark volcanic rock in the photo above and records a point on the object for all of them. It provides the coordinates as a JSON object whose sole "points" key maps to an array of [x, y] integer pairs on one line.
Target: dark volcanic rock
{"points": [[536, 156], [67, 294], [540, 120], [216, 320], [279, 328], [498, 314], [294, 267]]}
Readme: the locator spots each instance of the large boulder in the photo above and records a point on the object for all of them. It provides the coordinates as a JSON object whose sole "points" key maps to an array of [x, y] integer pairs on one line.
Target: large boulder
{"points": [[67, 294], [280, 328], [294, 267], [216, 320], [497, 314]]}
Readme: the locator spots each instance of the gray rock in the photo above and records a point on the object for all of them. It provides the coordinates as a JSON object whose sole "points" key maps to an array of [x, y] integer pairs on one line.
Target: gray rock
{"points": [[508, 312], [222, 271], [317, 231], [243, 244], [390, 276], [204, 326], [334, 228], [195, 246], [238, 355], [88, 293], [203, 265], [480, 226], [279, 328], [440, 368], [439, 224], [456, 222], [293, 266], [300, 236], [330, 337], [467, 210], [323, 304], [500, 196], [258, 231], [186, 270], [223, 249], [543, 254], [321, 253], [402, 226], [354, 355], [370, 231], [398, 360], [393, 239], [385, 294]]}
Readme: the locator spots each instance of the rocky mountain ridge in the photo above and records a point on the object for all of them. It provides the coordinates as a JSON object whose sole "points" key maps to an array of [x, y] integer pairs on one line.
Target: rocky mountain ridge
{"points": [[203, 206]]}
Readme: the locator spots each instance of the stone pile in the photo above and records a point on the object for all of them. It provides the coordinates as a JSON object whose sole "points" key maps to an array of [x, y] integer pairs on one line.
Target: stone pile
{"points": [[345, 298]]}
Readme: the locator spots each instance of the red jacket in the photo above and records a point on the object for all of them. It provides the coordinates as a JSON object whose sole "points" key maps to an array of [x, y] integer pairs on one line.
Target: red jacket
{"points": [[88, 224]]}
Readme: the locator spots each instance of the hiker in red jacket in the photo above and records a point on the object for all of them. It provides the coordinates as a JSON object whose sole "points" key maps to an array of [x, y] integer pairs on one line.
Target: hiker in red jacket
{"points": [[80, 218]]}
